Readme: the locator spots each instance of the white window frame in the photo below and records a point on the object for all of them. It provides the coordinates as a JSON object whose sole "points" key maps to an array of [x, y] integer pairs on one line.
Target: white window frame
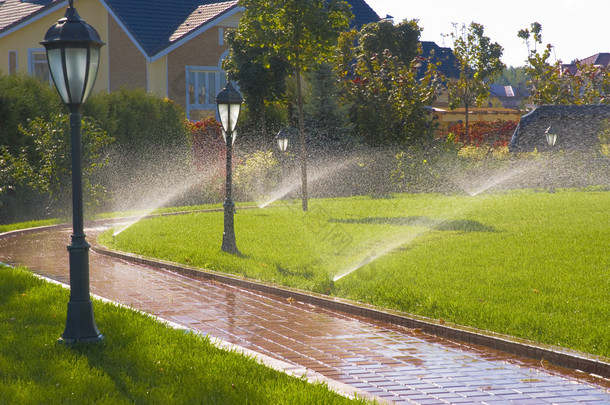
{"points": [[32, 61], [209, 103]]}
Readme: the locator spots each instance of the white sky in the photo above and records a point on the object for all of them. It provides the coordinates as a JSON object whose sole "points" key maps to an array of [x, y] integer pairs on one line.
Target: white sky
{"points": [[577, 28]]}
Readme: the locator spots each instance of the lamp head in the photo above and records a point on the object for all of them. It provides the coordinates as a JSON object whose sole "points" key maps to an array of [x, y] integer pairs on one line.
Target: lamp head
{"points": [[229, 105], [73, 53]]}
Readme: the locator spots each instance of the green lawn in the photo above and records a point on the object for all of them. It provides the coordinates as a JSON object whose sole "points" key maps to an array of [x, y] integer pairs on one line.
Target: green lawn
{"points": [[529, 264], [140, 361]]}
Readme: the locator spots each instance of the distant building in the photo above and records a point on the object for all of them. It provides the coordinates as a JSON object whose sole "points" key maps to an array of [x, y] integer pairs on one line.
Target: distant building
{"points": [[578, 127], [170, 48], [508, 96], [599, 59]]}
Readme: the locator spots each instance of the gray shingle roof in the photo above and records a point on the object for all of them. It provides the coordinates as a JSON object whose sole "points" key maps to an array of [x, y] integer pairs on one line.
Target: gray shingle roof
{"points": [[578, 127], [14, 11]]}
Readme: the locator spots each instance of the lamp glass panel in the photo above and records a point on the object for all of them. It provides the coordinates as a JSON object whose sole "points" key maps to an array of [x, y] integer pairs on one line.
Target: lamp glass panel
{"points": [[551, 138], [223, 113], [233, 115], [76, 69], [94, 63], [57, 71], [282, 143]]}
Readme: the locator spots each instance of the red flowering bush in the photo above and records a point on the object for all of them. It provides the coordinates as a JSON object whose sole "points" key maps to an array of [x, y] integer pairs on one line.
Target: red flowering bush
{"points": [[208, 153], [484, 133]]}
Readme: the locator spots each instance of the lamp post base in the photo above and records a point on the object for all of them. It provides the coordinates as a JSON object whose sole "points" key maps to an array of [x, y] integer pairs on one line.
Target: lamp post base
{"points": [[80, 325], [228, 235]]}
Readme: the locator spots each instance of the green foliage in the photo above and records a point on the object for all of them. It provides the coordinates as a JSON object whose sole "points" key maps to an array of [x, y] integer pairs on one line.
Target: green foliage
{"points": [[402, 40], [480, 261], [255, 174], [552, 84], [23, 97], [50, 167], [302, 32], [261, 75], [140, 361], [326, 118], [140, 123], [386, 98], [479, 65]]}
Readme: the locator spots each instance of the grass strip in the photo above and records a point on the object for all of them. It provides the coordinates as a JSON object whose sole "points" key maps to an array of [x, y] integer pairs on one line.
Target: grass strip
{"points": [[529, 264], [140, 360]]}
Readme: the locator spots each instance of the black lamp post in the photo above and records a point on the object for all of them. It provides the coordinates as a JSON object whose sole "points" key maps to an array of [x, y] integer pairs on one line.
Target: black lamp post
{"points": [[551, 138], [229, 105], [73, 53]]}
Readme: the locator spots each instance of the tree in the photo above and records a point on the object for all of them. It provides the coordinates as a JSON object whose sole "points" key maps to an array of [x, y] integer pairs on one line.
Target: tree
{"points": [[479, 64], [555, 84], [387, 99], [260, 73], [402, 39], [303, 33]]}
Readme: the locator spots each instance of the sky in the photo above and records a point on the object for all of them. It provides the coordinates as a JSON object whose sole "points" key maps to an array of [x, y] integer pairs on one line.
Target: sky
{"points": [[576, 28]]}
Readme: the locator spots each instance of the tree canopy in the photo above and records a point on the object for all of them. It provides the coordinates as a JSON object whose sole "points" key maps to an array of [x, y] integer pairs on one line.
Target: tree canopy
{"points": [[479, 64], [554, 83], [301, 32]]}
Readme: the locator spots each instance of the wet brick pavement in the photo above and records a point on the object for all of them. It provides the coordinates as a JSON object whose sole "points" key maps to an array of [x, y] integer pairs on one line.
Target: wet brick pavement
{"points": [[390, 362]]}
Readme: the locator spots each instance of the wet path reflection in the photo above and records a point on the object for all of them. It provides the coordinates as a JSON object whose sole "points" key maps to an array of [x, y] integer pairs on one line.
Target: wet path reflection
{"points": [[391, 362]]}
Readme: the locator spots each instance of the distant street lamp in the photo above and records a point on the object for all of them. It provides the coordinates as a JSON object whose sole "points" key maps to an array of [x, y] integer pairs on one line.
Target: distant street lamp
{"points": [[229, 105], [73, 54], [282, 140], [551, 138]]}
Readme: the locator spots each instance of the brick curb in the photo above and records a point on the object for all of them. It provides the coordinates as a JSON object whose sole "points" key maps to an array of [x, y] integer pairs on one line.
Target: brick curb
{"points": [[555, 355]]}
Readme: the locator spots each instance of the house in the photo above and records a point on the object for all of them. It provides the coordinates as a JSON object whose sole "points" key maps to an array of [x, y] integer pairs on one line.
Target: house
{"points": [[508, 96], [171, 48], [599, 59], [578, 127]]}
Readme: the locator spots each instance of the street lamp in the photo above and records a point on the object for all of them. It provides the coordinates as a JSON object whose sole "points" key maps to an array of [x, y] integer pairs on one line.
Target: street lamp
{"points": [[282, 140], [551, 138], [73, 54], [229, 105]]}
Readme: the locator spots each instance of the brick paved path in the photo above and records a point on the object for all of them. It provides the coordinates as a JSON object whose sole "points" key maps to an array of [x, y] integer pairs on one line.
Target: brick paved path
{"points": [[389, 362]]}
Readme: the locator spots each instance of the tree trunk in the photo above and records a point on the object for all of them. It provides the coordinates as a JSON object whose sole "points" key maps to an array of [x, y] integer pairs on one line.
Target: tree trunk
{"points": [[303, 139]]}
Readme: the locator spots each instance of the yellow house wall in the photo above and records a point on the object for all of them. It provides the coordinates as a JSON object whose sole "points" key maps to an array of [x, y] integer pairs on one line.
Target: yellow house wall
{"points": [[157, 77], [30, 36], [204, 50], [127, 65]]}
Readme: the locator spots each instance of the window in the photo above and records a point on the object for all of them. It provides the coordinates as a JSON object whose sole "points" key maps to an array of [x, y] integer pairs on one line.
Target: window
{"points": [[12, 62], [38, 66], [203, 86]]}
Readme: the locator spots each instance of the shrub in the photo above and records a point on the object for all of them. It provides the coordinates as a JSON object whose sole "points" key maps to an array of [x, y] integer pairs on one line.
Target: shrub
{"points": [[208, 156], [24, 97], [484, 133], [256, 176], [49, 171]]}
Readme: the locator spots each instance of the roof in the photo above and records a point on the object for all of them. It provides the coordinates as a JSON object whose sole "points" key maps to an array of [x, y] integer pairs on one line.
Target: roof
{"points": [[431, 51], [156, 24], [602, 59], [578, 127], [363, 13], [12, 12]]}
